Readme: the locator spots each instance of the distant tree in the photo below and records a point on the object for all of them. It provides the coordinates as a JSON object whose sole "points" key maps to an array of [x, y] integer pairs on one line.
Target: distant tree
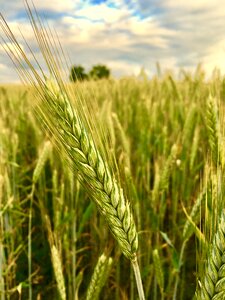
{"points": [[99, 71], [77, 73]]}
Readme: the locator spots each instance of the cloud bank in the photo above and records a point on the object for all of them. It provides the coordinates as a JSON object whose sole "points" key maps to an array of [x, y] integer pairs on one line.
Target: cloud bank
{"points": [[128, 35]]}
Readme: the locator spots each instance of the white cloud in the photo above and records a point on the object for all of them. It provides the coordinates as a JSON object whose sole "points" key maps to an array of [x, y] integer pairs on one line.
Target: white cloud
{"points": [[79, 30], [193, 4], [6, 74], [57, 5], [102, 12], [10, 47], [2, 67], [10, 8], [215, 57], [123, 68]]}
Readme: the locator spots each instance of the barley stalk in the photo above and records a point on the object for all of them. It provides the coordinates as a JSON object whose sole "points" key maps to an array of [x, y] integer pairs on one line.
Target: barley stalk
{"points": [[36, 174], [2, 251]]}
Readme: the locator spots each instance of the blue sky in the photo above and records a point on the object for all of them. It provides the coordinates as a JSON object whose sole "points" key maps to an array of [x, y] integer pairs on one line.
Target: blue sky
{"points": [[128, 35]]}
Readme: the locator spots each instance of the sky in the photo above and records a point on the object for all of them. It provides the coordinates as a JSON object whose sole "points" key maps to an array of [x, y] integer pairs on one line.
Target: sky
{"points": [[127, 35]]}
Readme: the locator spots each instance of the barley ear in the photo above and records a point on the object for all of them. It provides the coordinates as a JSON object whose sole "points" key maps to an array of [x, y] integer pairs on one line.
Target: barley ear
{"points": [[212, 285], [57, 266], [99, 277], [41, 161], [194, 215], [82, 155], [194, 148], [56, 260], [164, 178], [158, 270], [213, 128]]}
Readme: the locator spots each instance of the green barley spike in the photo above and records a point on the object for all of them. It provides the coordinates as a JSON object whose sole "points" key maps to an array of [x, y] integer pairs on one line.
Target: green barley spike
{"points": [[166, 172], [57, 266], [99, 277], [158, 270], [212, 285], [194, 215], [41, 161], [69, 131], [213, 128]]}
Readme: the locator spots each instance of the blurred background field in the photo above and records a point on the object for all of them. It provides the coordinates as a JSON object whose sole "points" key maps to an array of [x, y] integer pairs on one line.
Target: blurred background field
{"points": [[167, 136]]}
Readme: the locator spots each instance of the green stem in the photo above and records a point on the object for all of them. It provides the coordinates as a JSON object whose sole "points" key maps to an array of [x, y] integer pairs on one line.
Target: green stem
{"points": [[178, 273], [30, 243], [138, 279]]}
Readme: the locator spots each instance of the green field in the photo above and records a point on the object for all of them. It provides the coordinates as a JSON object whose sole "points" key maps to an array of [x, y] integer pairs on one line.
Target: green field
{"points": [[166, 136]]}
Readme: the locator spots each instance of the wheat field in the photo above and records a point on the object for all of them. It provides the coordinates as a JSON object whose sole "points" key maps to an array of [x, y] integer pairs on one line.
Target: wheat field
{"points": [[111, 189], [167, 137]]}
